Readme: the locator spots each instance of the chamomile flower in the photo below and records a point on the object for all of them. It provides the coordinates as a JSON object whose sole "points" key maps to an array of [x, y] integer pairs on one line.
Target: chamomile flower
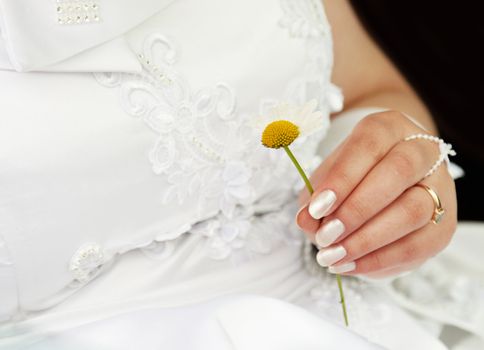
{"points": [[285, 123]]}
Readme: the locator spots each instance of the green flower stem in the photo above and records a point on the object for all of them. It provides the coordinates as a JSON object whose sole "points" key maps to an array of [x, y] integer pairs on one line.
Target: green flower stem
{"points": [[342, 298], [299, 169], [311, 191]]}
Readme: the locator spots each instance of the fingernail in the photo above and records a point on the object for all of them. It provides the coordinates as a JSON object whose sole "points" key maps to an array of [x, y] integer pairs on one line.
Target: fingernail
{"points": [[327, 257], [342, 268], [321, 204], [297, 215], [329, 232]]}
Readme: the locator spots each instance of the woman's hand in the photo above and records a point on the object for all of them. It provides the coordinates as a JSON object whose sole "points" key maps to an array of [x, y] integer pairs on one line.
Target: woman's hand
{"points": [[366, 214]]}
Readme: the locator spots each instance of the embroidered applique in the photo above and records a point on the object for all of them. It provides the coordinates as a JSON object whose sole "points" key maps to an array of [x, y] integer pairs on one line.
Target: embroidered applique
{"points": [[200, 137], [86, 262]]}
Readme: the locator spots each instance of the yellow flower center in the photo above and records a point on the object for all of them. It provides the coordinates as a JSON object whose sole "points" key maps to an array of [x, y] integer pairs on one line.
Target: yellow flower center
{"points": [[280, 133]]}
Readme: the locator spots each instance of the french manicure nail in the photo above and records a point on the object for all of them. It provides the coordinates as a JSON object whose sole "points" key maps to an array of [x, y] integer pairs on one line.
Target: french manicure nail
{"points": [[327, 257], [297, 215], [321, 204], [329, 232], [342, 268]]}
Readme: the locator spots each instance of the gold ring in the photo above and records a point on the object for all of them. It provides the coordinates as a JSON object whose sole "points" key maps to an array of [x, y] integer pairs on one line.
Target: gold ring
{"points": [[438, 210]]}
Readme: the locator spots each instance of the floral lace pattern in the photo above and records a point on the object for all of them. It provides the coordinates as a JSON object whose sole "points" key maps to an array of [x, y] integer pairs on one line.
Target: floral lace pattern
{"points": [[306, 20], [201, 135], [86, 262], [303, 18], [247, 234]]}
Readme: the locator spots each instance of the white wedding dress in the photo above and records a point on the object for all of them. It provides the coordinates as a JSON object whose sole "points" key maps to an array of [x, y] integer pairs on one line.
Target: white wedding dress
{"points": [[138, 209]]}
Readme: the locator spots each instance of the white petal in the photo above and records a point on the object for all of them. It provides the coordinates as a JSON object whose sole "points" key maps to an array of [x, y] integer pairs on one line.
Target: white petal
{"points": [[308, 108], [305, 117], [313, 123]]}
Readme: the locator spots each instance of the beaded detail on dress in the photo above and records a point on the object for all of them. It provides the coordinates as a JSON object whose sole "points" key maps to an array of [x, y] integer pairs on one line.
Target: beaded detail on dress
{"points": [[86, 261]]}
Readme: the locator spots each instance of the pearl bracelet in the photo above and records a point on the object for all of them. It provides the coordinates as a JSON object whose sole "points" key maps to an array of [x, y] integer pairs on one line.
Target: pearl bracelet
{"points": [[445, 150]]}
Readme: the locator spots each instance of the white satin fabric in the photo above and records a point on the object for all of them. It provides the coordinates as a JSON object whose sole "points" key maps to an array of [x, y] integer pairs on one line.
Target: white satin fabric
{"points": [[133, 196], [34, 40], [242, 323]]}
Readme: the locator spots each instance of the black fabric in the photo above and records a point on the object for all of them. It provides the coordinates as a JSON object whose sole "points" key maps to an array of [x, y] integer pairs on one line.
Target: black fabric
{"points": [[439, 47]]}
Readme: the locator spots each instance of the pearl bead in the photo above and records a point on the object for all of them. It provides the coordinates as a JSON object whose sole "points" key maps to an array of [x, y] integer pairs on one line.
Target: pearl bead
{"points": [[445, 150], [78, 11]]}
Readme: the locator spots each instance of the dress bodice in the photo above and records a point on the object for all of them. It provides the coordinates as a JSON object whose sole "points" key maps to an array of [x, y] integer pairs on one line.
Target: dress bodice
{"points": [[96, 165]]}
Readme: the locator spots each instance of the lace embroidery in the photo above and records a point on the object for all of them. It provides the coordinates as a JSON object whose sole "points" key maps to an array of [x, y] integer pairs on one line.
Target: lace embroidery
{"points": [[303, 18], [306, 19], [201, 136], [246, 233], [86, 262]]}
